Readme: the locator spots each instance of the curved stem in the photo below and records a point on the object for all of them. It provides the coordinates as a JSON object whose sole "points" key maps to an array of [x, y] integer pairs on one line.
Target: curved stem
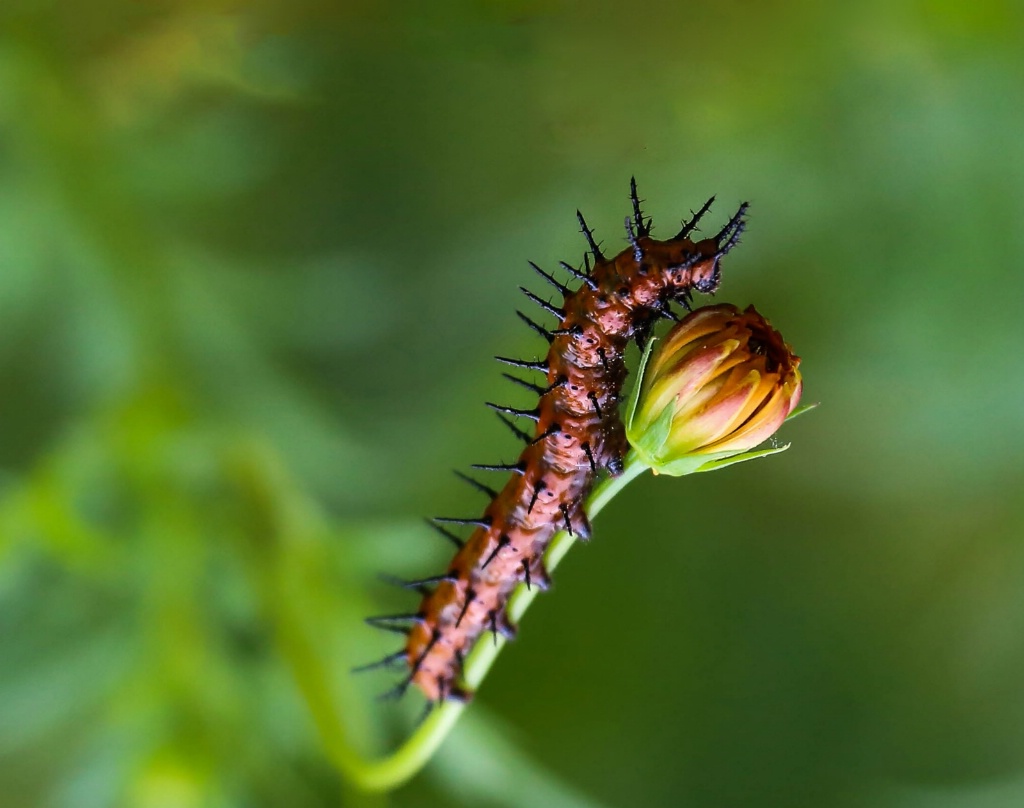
{"points": [[393, 770]]}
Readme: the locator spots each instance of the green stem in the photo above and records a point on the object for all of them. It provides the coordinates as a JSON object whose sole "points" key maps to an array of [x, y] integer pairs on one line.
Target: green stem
{"points": [[393, 770]]}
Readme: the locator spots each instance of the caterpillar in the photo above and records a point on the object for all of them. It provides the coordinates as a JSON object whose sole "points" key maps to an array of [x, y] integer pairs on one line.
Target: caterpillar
{"points": [[577, 436]]}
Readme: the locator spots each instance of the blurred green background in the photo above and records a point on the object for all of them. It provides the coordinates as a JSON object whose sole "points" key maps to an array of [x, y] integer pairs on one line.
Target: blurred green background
{"points": [[254, 261]]}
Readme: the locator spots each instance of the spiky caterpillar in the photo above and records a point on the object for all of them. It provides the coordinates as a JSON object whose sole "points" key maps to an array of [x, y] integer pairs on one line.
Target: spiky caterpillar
{"points": [[578, 433]]}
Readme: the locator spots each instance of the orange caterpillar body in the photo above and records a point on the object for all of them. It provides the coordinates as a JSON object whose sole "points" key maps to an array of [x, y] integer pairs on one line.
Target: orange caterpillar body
{"points": [[578, 434]]}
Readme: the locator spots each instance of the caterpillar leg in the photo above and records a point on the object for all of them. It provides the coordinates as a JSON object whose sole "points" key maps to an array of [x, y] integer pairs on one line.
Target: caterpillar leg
{"points": [[615, 448]]}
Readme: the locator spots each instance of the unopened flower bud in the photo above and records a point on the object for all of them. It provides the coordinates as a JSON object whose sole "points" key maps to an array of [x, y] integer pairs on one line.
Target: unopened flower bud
{"points": [[720, 383]]}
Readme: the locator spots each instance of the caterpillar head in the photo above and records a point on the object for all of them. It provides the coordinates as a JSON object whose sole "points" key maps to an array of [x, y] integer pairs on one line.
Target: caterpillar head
{"points": [[704, 271]]}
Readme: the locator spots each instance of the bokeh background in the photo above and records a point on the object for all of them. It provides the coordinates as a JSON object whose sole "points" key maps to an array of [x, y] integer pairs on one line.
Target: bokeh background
{"points": [[254, 261]]}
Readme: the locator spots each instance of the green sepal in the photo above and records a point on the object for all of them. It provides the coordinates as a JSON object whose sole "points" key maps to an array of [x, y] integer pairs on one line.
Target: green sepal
{"points": [[634, 396], [692, 464], [680, 467], [801, 410], [651, 441], [732, 460]]}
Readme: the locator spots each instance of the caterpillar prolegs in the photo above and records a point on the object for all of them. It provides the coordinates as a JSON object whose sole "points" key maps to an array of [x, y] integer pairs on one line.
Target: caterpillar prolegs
{"points": [[577, 435]]}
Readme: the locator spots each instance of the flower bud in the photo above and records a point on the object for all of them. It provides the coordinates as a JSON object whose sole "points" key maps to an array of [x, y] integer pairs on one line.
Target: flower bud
{"points": [[720, 383]]}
